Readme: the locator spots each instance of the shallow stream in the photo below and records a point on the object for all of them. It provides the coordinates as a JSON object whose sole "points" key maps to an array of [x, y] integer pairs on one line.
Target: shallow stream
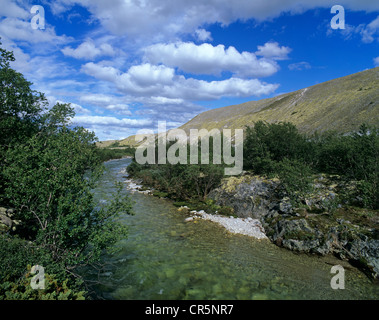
{"points": [[165, 257]]}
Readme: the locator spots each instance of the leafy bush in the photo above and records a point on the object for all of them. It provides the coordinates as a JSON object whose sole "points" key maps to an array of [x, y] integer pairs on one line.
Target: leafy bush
{"points": [[47, 172], [105, 154], [296, 179], [356, 157], [54, 290], [267, 144], [279, 149], [179, 181]]}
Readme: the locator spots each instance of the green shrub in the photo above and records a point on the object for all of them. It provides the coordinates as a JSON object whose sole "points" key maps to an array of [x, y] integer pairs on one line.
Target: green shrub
{"points": [[267, 144], [54, 290], [296, 179]]}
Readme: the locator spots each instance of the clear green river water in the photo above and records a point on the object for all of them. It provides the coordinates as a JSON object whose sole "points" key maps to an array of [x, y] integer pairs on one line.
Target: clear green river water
{"points": [[165, 257]]}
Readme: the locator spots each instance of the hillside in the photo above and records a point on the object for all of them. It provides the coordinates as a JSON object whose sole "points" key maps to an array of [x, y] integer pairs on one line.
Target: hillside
{"points": [[341, 104]]}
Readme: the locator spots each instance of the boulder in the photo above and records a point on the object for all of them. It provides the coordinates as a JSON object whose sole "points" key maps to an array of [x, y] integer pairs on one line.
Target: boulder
{"points": [[248, 196]]}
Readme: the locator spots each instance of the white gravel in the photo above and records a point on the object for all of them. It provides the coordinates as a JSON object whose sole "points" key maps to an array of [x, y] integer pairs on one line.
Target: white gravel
{"points": [[134, 187], [246, 226]]}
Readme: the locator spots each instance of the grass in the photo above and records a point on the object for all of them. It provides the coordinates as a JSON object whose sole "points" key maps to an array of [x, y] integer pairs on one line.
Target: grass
{"points": [[337, 104]]}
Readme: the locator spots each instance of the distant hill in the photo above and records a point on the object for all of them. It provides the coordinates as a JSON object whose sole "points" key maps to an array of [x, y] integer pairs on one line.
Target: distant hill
{"points": [[341, 104]]}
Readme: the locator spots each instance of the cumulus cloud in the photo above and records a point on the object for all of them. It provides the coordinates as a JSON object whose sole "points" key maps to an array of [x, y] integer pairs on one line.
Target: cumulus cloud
{"points": [[161, 81], [99, 99], [101, 72], [172, 17], [209, 59], [376, 62], [272, 50], [88, 51]]}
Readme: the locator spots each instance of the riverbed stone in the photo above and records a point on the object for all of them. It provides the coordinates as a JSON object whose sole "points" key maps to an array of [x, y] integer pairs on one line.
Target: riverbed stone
{"points": [[249, 196], [312, 228]]}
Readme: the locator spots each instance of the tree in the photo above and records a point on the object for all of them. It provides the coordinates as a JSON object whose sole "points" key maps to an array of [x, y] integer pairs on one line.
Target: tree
{"points": [[267, 144], [48, 171], [21, 107]]}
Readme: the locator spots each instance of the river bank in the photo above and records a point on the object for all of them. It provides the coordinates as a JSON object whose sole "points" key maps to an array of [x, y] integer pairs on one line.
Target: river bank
{"points": [[322, 226]]}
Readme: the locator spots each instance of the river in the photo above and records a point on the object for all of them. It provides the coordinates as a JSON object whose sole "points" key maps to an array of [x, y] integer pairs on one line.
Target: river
{"points": [[165, 257]]}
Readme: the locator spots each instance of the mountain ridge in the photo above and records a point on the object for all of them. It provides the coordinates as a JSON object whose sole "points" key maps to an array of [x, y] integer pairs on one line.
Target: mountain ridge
{"points": [[340, 104]]}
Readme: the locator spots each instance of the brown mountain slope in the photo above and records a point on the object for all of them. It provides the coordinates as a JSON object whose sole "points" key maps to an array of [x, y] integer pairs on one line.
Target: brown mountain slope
{"points": [[341, 104]]}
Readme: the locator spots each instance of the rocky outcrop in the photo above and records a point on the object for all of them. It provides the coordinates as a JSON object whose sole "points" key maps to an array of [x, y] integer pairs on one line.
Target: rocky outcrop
{"points": [[322, 224], [248, 196]]}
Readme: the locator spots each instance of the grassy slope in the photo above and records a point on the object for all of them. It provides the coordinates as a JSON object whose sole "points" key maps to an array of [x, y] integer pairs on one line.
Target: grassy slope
{"points": [[341, 104]]}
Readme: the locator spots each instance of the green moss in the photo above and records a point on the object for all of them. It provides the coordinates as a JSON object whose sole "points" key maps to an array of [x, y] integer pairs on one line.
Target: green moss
{"points": [[257, 200]]}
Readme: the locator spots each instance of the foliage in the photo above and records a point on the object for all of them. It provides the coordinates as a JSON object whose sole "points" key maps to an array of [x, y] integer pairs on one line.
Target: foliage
{"points": [[54, 290], [356, 157], [279, 149], [180, 181], [105, 154], [267, 144], [21, 108], [16, 257], [296, 179], [48, 171]]}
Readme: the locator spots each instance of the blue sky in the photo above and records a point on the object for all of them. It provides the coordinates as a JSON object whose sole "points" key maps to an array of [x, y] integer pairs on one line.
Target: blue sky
{"points": [[126, 64]]}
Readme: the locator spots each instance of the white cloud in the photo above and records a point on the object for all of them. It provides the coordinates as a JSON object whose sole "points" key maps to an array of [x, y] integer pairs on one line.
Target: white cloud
{"points": [[303, 65], [208, 59], [88, 121], [272, 50], [151, 80], [370, 32], [87, 50], [167, 18], [21, 30], [99, 99], [11, 9], [108, 102], [100, 72], [121, 109], [376, 62], [203, 35], [79, 109]]}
